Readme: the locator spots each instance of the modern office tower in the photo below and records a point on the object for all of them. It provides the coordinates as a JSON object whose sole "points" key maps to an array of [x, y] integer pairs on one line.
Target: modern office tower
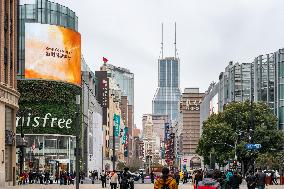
{"points": [[167, 96], [260, 80], [8, 90]]}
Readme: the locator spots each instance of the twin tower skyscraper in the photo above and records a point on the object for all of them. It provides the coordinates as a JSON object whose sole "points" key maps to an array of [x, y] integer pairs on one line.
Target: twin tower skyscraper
{"points": [[167, 96]]}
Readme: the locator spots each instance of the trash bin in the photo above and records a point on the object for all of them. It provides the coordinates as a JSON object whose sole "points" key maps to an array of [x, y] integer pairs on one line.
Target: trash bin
{"points": [[282, 180], [268, 180]]}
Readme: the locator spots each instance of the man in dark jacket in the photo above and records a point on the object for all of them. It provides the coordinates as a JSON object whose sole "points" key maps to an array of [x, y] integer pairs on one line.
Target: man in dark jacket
{"points": [[103, 179], [235, 181], [260, 179], [251, 181], [177, 177]]}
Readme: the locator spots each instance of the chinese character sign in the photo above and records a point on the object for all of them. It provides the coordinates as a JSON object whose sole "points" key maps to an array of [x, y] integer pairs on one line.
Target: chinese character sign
{"points": [[52, 53], [116, 119], [125, 135]]}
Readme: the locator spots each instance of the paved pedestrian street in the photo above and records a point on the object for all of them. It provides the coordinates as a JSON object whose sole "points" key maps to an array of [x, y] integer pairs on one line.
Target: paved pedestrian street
{"points": [[98, 186]]}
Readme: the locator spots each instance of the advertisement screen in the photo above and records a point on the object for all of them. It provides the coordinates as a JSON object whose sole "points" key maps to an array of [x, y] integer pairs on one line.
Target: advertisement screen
{"points": [[52, 53]]}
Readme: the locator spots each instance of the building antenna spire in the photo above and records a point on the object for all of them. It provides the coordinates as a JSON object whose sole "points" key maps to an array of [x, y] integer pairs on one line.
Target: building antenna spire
{"points": [[162, 43], [175, 40]]}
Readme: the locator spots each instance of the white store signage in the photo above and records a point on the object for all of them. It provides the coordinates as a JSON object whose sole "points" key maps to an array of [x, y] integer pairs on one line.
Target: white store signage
{"points": [[46, 121]]}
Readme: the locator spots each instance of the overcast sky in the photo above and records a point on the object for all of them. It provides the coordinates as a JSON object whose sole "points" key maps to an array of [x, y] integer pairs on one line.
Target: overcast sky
{"points": [[210, 33]]}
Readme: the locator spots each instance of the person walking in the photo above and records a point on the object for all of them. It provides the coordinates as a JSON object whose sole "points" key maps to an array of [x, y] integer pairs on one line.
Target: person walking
{"points": [[274, 178], [152, 175], [197, 178], [251, 181], [165, 181], [235, 181], [177, 177], [103, 179], [113, 180], [260, 179], [142, 177]]}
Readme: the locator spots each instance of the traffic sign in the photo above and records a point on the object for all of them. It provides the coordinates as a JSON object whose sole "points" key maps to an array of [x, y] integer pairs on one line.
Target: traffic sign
{"points": [[179, 156], [253, 146]]}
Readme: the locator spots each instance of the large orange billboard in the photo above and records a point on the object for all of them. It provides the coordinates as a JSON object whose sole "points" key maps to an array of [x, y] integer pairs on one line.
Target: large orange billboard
{"points": [[52, 53]]}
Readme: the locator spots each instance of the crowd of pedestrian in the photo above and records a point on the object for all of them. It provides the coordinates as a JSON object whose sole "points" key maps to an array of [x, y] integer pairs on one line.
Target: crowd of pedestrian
{"points": [[221, 179], [45, 177]]}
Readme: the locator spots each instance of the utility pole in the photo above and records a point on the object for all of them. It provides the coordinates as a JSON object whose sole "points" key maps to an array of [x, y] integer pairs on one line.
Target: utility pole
{"points": [[78, 99]]}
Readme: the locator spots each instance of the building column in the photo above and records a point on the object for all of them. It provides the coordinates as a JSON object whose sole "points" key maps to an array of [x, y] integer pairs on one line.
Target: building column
{"points": [[2, 144]]}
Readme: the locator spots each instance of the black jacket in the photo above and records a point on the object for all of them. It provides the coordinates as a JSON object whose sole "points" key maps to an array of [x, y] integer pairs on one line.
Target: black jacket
{"points": [[235, 181]]}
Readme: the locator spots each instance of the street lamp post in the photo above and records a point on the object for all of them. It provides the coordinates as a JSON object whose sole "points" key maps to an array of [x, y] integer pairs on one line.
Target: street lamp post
{"points": [[78, 99], [113, 148]]}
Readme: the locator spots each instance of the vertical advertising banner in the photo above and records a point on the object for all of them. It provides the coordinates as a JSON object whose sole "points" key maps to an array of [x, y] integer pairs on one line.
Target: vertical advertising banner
{"points": [[52, 53], [116, 119], [125, 140], [125, 135]]}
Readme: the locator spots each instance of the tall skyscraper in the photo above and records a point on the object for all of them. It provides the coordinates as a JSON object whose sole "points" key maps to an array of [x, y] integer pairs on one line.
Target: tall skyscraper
{"points": [[166, 99]]}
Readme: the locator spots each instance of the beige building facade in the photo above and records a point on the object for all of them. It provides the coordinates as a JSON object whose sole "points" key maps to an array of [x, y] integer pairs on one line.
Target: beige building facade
{"points": [[190, 125], [8, 90]]}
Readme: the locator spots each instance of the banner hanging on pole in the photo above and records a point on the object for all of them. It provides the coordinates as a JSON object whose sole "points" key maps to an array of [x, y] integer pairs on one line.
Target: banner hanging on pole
{"points": [[116, 119]]}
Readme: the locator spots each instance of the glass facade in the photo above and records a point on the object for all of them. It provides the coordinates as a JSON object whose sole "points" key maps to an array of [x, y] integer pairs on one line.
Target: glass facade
{"points": [[45, 12], [167, 97], [261, 80], [124, 79], [53, 152]]}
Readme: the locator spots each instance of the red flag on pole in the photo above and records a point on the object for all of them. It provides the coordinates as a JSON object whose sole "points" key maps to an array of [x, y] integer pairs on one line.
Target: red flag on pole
{"points": [[105, 60]]}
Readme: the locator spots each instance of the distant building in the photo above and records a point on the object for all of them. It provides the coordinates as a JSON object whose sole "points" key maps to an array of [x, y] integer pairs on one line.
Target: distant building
{"points": [[210, 103], [189, 124], [151, 139], [260, 80], [124, 80], [159, 122], [92, 128], [167, 96]]}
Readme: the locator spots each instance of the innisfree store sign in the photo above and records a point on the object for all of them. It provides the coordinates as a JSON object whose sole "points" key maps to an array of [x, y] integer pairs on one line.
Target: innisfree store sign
{"points": [[47, 121], [47, 107]]}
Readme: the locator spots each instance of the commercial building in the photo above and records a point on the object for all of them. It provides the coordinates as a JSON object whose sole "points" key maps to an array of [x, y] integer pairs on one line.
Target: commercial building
{"points": [[49, 77], [209, 103], [110, 97], [151, 139], [92, 128], [124, 80], [260, 80], [189, 127], [8, 90], [167, 96], [159, 122]]}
